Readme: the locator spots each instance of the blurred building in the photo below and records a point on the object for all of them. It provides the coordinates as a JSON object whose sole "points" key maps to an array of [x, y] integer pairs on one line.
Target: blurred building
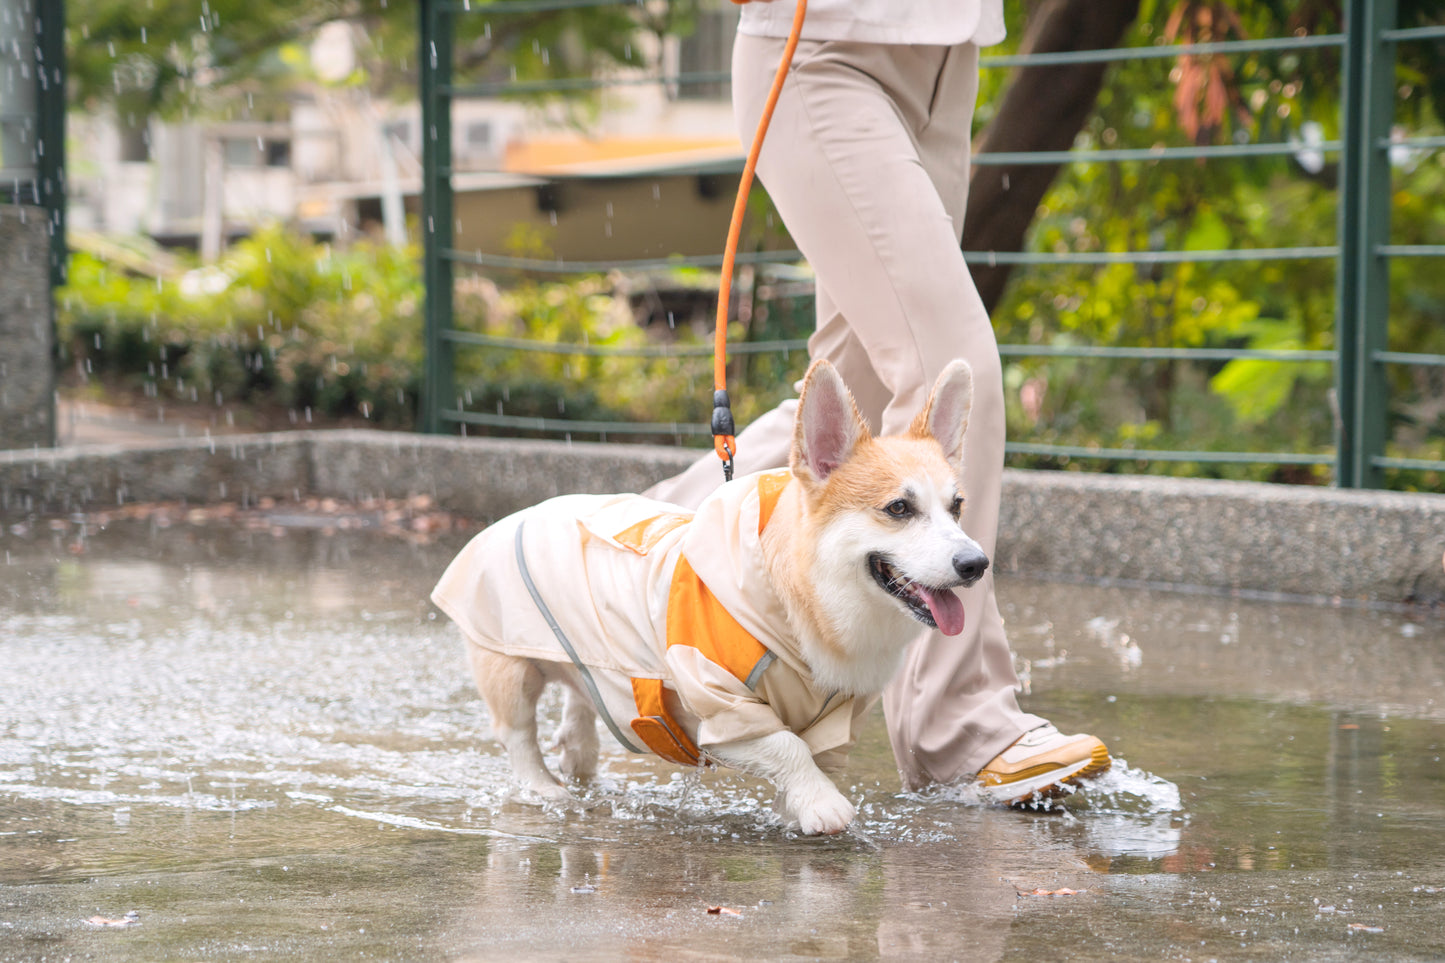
{"points": [[653, 176]]}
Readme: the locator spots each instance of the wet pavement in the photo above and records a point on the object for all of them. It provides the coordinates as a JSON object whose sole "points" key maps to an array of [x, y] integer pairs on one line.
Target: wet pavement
{"points": [[261, 742]]}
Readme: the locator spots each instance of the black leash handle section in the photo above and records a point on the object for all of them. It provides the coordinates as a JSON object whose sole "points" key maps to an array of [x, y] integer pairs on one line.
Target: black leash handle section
{"points": [[722, 428]]}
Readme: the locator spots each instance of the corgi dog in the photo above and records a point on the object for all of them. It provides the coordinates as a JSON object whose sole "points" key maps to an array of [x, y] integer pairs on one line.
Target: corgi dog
{"points": [[755, 632]]}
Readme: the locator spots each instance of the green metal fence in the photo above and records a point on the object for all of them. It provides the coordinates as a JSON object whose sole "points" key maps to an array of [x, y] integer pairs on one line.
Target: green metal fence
{"points": [[1361, 254]]}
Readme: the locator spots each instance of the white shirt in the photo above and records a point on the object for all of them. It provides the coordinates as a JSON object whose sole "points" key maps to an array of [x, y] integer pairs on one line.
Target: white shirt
{"points": [[934, 22]]}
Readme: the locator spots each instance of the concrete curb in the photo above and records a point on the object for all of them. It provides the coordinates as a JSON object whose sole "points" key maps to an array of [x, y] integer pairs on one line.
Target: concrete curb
{"points": [[1321, 542], [1245, 536]]}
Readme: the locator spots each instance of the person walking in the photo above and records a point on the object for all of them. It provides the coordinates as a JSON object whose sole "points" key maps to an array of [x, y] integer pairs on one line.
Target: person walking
{"points": [[867, 161]]}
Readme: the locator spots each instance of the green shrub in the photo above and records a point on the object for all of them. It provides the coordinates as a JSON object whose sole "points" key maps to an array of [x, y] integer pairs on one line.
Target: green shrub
{"points": [[280, 321], [288, 323]]}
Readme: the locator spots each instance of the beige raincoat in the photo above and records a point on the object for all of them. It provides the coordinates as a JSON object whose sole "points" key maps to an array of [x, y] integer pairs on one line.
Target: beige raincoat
{"points": [[669, 616]]}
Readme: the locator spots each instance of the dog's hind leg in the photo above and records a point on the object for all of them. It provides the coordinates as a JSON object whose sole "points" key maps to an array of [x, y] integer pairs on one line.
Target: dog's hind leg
{"points": [[578, 736], [511, 688]]}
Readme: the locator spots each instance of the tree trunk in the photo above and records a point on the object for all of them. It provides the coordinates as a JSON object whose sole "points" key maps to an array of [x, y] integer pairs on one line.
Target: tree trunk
{"points": [[1042, 109]]}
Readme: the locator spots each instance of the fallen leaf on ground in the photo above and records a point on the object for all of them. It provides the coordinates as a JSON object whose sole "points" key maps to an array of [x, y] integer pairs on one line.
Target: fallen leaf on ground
{"points": [[1065, 891], [1364, 928], [130, 919], [723, 910]]}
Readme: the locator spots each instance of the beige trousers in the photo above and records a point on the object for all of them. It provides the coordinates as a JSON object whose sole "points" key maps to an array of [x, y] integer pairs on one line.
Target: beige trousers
{"points": [[867, 161]]}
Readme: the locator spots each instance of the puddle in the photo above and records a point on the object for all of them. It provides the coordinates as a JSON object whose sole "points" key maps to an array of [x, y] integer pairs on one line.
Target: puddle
{"points": [[263, 742]]}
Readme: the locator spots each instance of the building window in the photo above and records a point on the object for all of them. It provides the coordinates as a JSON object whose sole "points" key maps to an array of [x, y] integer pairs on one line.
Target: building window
{"points": [[479, 137], [399, 131], [135, 140], [257, 152], [708, 50], [241, 152]]}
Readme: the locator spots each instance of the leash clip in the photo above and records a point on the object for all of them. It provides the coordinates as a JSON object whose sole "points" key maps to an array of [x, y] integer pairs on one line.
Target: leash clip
{"points": [[723, 440]]}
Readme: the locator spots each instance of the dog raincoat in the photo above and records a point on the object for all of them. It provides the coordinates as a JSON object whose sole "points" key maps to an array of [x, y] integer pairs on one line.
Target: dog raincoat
{"points": [[669, 616]]}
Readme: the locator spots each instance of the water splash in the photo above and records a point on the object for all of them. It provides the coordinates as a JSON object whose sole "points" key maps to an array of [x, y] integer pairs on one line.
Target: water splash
{"points": [[1124, 790], [1125, 812]]}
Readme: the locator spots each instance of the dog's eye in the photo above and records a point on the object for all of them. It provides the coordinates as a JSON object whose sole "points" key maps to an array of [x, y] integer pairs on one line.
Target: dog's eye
{"points": [[899, 508], [956, 509]]}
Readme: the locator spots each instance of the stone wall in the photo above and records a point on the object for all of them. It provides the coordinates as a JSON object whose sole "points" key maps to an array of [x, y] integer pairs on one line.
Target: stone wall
{"points": [[1318, 543], [27, 331]]}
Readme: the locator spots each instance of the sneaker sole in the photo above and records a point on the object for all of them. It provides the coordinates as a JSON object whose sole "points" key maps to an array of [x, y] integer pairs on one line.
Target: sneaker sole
{"points": [[1050, 784]]}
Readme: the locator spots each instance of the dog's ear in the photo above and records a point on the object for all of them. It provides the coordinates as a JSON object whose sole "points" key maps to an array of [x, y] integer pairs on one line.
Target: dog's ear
{"points": [[945, 415], [828, 427]]}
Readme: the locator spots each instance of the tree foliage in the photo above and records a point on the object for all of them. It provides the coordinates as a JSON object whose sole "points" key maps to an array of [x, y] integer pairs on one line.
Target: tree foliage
{"points": [[174, 57], [1223, 204]]}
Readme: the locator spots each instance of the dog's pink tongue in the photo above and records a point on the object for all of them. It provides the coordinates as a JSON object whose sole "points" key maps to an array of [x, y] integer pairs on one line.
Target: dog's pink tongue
{"points": [[946, 609]]}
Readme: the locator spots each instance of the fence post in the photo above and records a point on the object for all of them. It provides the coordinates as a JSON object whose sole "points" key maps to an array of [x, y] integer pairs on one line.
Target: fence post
{"points": [[1363, 274], [50, 130], [437, 218]]}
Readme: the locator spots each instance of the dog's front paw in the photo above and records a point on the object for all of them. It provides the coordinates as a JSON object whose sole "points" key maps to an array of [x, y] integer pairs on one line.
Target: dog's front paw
{"points": [[824, 811], [549, 791]]}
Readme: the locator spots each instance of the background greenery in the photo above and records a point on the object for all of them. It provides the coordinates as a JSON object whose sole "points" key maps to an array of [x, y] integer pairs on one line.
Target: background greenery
{"points": [[302, 331], [300, 326]]}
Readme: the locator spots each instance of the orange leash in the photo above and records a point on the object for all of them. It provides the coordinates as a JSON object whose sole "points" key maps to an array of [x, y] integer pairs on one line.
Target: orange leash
{"points": [[724, 442]]}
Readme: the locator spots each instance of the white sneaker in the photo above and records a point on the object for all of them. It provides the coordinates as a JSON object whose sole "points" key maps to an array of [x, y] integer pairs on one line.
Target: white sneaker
{"points": [[1042, 762]]}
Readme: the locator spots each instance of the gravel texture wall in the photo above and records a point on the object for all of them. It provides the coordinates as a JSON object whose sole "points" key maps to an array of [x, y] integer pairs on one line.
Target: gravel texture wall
{"points": [[1232, 536]]}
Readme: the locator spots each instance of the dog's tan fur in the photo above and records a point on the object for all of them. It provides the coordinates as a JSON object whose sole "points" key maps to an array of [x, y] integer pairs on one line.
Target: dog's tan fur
{"points": [[872, 477], [851, 632]]}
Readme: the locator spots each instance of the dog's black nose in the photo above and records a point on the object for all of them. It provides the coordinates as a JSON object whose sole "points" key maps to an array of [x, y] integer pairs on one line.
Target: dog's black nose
{"points": [[970, 564]]}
